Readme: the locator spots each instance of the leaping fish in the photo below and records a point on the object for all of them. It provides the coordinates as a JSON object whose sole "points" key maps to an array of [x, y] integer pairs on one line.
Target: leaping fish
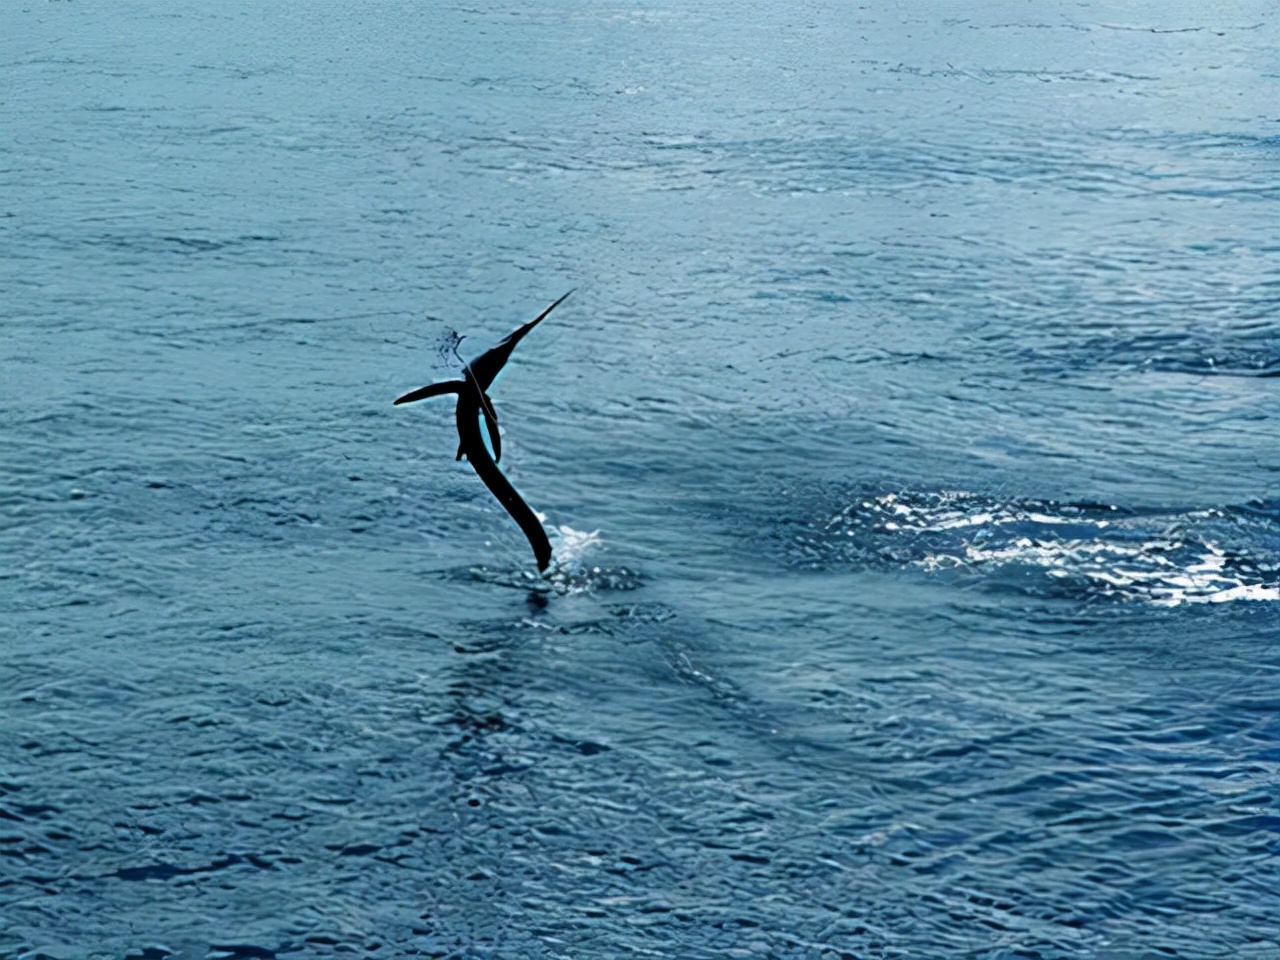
{"points": [[473, 405]]}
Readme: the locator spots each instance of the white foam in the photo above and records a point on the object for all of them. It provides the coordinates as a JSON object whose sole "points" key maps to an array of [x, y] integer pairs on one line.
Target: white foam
{"points": [[1163, 570], [1139, 571]]}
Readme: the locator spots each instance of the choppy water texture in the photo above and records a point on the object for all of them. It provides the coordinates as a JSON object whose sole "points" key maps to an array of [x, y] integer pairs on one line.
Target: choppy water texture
{"points": [[911, 436]]}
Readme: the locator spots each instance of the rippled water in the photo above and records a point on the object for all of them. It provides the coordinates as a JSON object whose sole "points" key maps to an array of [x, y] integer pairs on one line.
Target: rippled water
{"points": [[910, 440]]}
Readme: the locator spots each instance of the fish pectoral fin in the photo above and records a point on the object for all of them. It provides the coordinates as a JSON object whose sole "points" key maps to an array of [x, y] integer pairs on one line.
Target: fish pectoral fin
{"points": [[431, 390]]}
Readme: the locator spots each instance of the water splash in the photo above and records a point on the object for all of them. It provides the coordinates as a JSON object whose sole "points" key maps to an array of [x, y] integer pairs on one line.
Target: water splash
{"points": [[448, 356], [571, 573], [572, 545]]}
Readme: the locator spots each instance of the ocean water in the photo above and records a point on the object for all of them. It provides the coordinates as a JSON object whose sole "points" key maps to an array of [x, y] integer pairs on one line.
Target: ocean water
{"points": [[911, 446]]}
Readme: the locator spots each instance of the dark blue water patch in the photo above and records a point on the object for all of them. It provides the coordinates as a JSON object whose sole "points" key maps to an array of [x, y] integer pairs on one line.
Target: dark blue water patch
{"points": [[149, 953], [167, 871], [1247, 347], [239, 951]]}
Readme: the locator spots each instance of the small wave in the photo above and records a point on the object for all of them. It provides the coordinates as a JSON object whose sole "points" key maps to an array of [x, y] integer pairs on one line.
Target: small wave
{"points": [[1167, 558]]}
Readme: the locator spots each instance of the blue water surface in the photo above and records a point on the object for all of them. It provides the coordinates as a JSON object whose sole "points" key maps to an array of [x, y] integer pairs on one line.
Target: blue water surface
{"points": [[910, 446]]}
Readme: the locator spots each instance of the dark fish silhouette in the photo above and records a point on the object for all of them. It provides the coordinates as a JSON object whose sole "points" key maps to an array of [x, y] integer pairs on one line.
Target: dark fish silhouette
{"points": [[473, 404]]}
